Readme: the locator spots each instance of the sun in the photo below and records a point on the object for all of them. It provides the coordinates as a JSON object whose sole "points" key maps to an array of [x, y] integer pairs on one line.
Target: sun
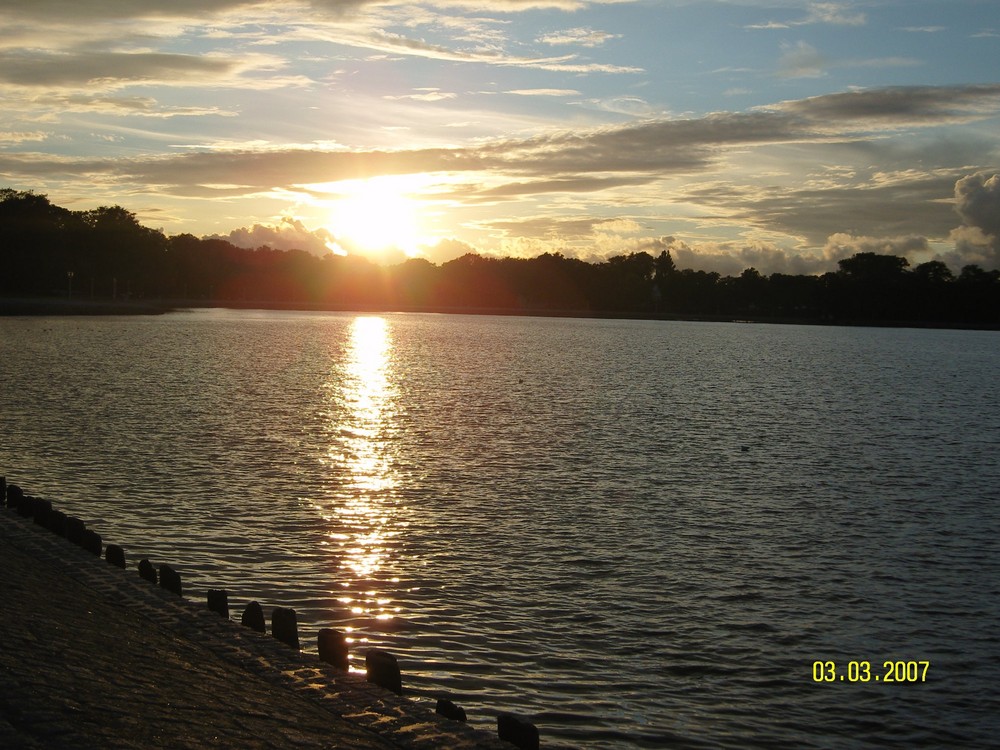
{"points": [[375, 216]]}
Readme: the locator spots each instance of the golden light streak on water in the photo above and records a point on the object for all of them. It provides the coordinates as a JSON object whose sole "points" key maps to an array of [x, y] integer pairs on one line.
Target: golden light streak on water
{"points": [[363, 516]]}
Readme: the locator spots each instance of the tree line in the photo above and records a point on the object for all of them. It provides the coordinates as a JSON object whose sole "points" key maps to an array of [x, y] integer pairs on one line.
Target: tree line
{"points": [[105, 253]]}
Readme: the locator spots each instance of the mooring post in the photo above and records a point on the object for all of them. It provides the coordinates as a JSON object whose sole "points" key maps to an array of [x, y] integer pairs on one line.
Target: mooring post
{"points": [[115, 555], [74, 529], [14, 496], [170, 579], [91, 541], [332, 646], [253, 617], [146, 571], [26, 508], [41, 512], [3, 491], [56, 522], [383, 670], [450, 710], [518, 731], [284, 626], [218, 602]]}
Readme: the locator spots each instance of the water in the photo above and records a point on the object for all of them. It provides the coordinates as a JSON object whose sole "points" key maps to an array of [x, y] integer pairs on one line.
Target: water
{"points": [[638, 534]]}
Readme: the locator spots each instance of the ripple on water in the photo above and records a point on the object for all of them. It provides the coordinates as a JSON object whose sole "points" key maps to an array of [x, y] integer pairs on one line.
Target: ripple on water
{"points": [[558, 517]]}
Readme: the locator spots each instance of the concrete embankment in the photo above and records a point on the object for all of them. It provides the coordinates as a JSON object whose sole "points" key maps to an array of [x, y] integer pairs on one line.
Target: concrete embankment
{"points": [[93, 656]]}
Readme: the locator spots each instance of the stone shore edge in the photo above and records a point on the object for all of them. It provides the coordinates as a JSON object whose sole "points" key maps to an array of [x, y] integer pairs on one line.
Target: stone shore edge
{"points": [[345, 694]]}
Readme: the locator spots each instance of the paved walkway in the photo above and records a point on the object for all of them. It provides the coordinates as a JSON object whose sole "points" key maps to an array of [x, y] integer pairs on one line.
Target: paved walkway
{"points": [[92, 656]]}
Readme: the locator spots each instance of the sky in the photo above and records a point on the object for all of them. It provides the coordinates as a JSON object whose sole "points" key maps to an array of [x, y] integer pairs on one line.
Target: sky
{"points": [[782, 135]]}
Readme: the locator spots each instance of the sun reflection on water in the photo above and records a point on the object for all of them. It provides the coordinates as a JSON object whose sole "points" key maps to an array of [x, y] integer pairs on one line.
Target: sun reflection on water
{"points": [[364, 513]]}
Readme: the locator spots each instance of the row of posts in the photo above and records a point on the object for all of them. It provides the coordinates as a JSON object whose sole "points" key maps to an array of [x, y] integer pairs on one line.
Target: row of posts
{"points": [[381, 667]]}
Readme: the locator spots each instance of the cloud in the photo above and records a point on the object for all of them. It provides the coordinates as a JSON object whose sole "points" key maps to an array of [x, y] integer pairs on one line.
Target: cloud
{"points": [[579, 36], [136, 106], [445, 250], [543, 92], [705, 171], [654, 148], [977, 202], [859, 204], [842, 245], [104, 71], [13, 137], [898, 106], [633, 106], [835, 14], [801, 60], [732, 258], [425, 95], [288, 234]]}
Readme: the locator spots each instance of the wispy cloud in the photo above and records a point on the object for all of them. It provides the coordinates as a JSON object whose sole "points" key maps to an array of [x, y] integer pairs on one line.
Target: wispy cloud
{"points": [[425, 95], [580, 36], [544, 92], [835, 14]]}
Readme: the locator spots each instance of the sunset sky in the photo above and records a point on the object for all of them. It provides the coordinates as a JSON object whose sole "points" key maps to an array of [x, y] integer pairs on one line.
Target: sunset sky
{"points": [[778, 134]]}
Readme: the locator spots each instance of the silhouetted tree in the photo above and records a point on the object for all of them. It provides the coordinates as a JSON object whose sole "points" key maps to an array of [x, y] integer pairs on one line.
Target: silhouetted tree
{"points": [[111, 254]]}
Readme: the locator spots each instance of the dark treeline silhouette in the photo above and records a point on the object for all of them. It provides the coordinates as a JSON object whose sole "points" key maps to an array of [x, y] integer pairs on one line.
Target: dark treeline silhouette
{"points": [[105, 254]]}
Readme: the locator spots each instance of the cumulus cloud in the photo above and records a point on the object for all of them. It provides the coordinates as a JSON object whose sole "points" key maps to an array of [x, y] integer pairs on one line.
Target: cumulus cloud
{"points": [[445, 250], [732, 258], [843, 245], [977, 202], [288, 234]]}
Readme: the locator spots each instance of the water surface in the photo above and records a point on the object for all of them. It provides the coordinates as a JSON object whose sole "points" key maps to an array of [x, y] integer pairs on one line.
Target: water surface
{"points": [[637, 533]]}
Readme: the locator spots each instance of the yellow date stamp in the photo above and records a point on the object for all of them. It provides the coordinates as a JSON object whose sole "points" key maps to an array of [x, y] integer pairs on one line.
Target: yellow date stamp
{"points": [[863, 671]]}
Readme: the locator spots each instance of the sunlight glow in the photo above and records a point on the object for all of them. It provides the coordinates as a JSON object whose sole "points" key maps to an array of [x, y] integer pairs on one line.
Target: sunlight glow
{"points": [[363, 515], [376, 215]]}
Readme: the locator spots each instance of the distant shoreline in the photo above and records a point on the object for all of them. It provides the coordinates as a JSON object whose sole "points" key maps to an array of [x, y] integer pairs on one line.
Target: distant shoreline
{"points": [[37, 306], [55, 306]]}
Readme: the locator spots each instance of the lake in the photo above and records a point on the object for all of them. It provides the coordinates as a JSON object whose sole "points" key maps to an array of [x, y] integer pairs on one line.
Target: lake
{"points": [[638, 534]]}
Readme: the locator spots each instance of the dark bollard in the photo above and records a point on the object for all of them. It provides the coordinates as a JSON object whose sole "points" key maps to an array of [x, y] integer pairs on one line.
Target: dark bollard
{"points": [[449, 710], [56, 522], [333, 648], [3, 490], [115, 555], [74, 529], [26, 508], [285, 626], [14, 496], [42, 510], [147, 572], [170, 579], [253, 617], [517, 731], [383, 670], [218, 602], [91, 541]]}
